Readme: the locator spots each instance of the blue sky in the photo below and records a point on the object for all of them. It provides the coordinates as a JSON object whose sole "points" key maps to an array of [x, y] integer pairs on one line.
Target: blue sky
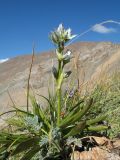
{"points": [[24, 22]]}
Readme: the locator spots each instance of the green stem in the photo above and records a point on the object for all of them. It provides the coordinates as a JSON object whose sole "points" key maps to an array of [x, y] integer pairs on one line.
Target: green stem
{"points": [[59, 106], [59, 68], [59, 93]]}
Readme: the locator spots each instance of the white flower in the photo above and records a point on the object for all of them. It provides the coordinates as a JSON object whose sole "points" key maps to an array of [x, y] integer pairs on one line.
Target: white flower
{"points": [[60, 35], [60, 28], [66, 57], [68, 31]]}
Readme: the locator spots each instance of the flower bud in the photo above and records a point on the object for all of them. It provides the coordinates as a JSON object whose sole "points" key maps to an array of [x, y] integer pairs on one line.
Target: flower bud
{"points": [[55, 73], [59, 55], [67, 74]]}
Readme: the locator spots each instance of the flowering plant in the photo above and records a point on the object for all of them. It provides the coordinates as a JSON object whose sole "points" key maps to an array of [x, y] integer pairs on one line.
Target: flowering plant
{"points": [[45, 132]]}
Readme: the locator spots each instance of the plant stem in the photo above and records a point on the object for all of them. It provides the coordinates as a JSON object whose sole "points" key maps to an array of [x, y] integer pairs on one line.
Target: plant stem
{"points": [[59, 93], [59, 68], [59, 106], [28, 82]]}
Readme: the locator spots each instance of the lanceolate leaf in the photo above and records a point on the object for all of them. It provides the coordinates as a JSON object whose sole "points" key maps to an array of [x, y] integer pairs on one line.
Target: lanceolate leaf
{"points": [[76, 105], [52, 108], [96, 120], [77, 129], [31, 153], [4, 148], [23, 112], [34, 105], [77, 117], [97, 128], [52, 103], [25, 145], [74, 110], [17, 122], [38, 111], [82, 112]]}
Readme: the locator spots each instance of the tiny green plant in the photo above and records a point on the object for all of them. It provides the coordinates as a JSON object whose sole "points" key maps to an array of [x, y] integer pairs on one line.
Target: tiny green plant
{"points": [[44, 133]]}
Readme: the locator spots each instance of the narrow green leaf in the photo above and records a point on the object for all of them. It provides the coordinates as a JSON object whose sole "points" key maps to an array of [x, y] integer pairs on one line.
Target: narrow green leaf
{"points": [[31, 153], [24, 112], [25, 145], [76, 105], [15, 122], [34, 105], [38, 111], [4, 147], [76, 117], [50, 104], [97, 128], [96, 120], [77, 129], [52, 108], [75, 109]]}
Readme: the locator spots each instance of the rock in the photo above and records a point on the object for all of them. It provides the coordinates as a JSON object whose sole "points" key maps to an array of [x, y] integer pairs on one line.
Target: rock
{"points": [[105, 149]]}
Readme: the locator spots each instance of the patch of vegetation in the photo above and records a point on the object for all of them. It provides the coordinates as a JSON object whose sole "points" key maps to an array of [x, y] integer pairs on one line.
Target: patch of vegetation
{"points": [[107, 100]]}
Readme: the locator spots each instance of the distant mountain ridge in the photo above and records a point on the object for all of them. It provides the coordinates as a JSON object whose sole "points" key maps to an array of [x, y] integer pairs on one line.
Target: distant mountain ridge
{"points": [[89, 57]]}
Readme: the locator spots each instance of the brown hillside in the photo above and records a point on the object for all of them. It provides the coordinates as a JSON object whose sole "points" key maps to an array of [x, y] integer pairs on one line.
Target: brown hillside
{"points": [[89, 59]]}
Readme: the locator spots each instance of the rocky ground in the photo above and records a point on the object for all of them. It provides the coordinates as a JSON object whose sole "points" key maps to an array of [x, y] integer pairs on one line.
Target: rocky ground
{"points": [[100, 148]]}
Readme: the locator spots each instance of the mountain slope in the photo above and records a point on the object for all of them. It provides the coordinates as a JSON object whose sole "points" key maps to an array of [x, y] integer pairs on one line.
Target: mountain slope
{"points": [[90, 58]]}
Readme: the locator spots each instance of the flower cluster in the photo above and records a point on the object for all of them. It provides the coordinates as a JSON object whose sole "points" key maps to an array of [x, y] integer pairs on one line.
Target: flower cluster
{"points": [[61, 36]]}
